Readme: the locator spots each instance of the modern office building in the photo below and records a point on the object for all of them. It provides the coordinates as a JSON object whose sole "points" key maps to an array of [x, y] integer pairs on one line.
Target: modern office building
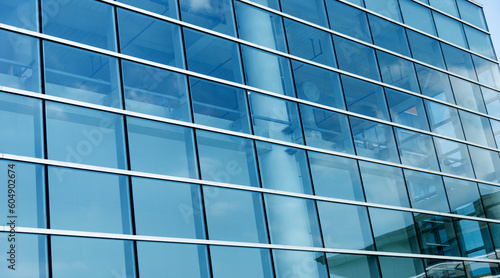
{"points": [[247, 139]]}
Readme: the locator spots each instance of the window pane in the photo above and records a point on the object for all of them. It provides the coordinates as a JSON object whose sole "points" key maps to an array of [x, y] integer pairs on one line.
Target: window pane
{"points": [[443, 119], [302, 264], [374, 140], [163, 7], [453, 158], [487, 72], [467, 94], [166, 208], [426, 191], [426, 49], [394, 231], [21, 13], [416, 149], [477, 129], [447, 6], [214, 15], [365, 98], [471, 13], [389, 8], [406, 109], [458, 61], [394, 267], [450, 29], [486, 164], [463, 197], [81, 75], [417, 16], [479, 42], [474, 238], [477, 270], [437, 235], [313, 11], [388, 35], [492, 101], [356, 266], [490, 195], [229, 262], [440, 268], [348, 20], [161, 148], [32, 260], [397, 71], [356, 58], [434, 83]]}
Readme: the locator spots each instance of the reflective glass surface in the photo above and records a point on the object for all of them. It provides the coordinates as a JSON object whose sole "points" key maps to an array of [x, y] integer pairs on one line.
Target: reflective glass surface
{"points": [[406, 109], [453, 157], [474, 238], [397, 71], [471, 13], [394, 231], [486, 164], [467, 94], [348, 20], [417, 16], [463, 197], [447, 6], [437, 235], [394, 267], [22, 14], [213, 15], [444, 119], [492, 101], [289, 263], [389, 35], [426, 191], [241, 262], [163, 7], [345, 265], [356, 58], [487, 72], [313, 10], [477, 129], [434, 83], [365, 98], [416, 149], [449, 29], [425, 49], [458, 61], [374, 140], [34, 256], [479, 42], [389, 8]]}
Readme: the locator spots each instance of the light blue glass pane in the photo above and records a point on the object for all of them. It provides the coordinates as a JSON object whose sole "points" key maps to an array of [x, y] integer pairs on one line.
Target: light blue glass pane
{"points": [[309, 43], [441, 268], [90, 136], [437, 235], [227, 159], [31, 256], [161, 148], [326, 129], [444, 119], [348, 20], [83, 21], [374, 140], [213, 56], [360, 3], [163, 7], [260, 27], [394, 267], [492, 101], [219, 105], [155, 91], [490, 195], [81, 75], [234, 215], [487, 72], [302, 264], [397, 71], [229, 262], [313, 10], [463, 197], [356, 266], [458, 61], [365, 98], [293, 175], [19, 61], [472, 13], [474, 238], [21, 125], [447, 6], [214, 15], [416, 149], [479, 42], [384, 184], [417, 16], [77, 257], [318, 85], [406, 109], [139, 37], [292, 221], [477, 270], [356, 58], [453, 158], [434, 83], [166, 208], [495, 126], [486, 164], [275, 118], [22, 14], [335, 176], [425, 49], [467, 94], [75, 205], [267, 71], [354, 233], [389, 8], [394, 231], [477, 129], [158, 259], [389, 35], [426, 191]]}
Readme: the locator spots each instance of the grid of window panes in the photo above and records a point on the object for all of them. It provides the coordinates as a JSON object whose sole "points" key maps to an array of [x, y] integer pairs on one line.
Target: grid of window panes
{"points": [[373, 126]]}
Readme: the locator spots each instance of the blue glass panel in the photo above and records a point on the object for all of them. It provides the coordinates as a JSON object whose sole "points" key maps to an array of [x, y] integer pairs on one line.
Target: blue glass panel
{"points": [[441, 268], [21, 125], [453, 158], [474, 238], [155, 91], [139, 38], [467, 94], [158, 259], [81, 75], [397, 71], [356, 58], [458, 61], [492, 101], [234, 215], [161, 148], [212, 56], [487, 71], [417, 16], [434, 83], [479, 42], [394, 267], [490, 195], [309, 43], [389, 8], [75, 205], [463, 197], [472, 13], [384, 184], [486, 164], [166, 208], [406, 109], [374, 140], [389, 35], [354, 233], [90, 136], [313, 10], [289, 263], [229, 262], [426, 191], [444, 119], [267, 71], [416, 149], [84, 21], [219, 105], [293, 175], [365, 98], [326, 129], [19, 61], [477, 129], [214, 15], [346, 265], [348, 20], [273, 4], [394, 231], [275, 118], [357, 2], [21, 13], [318, 85], [77, 257], [447, 6], [292, 221], [260, 27], [477, 270], [437, 235], [425, 49], [495, 126], [31, 256], [335, 176], [227, 159], [163, 7]]}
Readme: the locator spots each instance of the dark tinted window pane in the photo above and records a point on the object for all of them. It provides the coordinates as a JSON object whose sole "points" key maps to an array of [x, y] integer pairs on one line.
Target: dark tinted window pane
{"points": [[437, 235], [474, 238], [348, 20], [228, 262], [214, 15], [490, 195], [365, 98], [394, 231], [388, 35]]}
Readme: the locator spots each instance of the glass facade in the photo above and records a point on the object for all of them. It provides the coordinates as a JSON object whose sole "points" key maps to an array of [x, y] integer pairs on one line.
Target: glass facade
{"points": [[236, 138]]}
